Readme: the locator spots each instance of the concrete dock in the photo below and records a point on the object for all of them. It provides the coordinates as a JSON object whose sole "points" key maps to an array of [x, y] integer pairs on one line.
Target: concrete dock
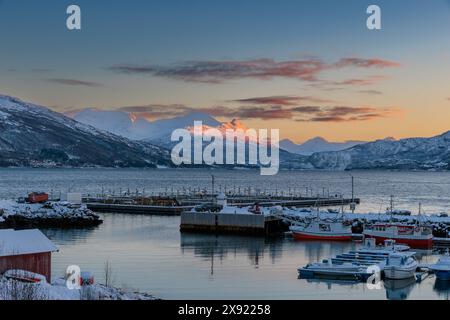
{"points": [[137, 209], [246, 224]]}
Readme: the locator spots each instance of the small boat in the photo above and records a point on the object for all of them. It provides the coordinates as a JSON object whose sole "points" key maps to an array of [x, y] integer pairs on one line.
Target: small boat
{"points": [[328, 269], [442, 267], [24, 276], [322, 230], [400, 265], [355, 265]]}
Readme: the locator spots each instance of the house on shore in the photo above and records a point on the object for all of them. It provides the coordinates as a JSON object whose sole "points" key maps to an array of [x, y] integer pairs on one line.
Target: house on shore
{"points": [[28, 250]]}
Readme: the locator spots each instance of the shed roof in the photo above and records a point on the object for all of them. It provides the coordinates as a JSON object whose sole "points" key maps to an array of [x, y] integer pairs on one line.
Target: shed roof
{"points": [[13, 243]]}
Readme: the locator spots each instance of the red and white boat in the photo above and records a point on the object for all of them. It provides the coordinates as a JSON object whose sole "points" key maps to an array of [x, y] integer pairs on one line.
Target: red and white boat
{"points": [[415, 236], [323, 230]]}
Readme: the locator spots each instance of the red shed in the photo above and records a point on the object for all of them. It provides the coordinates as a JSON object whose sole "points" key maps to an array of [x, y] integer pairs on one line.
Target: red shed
{"points": [[28, 250]]}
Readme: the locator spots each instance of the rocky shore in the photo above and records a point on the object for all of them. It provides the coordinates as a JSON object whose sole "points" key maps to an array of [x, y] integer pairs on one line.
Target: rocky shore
{"points": [[50, 214]]}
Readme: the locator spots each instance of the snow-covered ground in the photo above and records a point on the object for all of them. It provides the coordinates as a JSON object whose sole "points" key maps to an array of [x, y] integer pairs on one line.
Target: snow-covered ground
{"points": [[11, 209], [15, 290], [312, 213]]}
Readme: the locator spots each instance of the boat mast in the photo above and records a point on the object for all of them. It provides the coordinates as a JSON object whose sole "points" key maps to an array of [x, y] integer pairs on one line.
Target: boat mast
{"points": [[391, 209]]}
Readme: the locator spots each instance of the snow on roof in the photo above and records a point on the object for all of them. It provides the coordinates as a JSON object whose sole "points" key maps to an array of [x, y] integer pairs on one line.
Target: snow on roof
{"points": [[22, 242]]}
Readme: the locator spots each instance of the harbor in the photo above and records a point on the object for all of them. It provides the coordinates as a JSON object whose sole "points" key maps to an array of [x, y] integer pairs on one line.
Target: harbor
{"points": [[155, 253]]}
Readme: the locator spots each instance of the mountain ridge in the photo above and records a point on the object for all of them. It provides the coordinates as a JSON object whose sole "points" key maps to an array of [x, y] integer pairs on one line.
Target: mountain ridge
{"points": [[33, 135]]}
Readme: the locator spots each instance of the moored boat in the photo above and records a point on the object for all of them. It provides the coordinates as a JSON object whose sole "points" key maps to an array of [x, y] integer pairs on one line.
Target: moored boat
{"points": [[442, 267], [415, 236], [400, 265], [322, 230]]}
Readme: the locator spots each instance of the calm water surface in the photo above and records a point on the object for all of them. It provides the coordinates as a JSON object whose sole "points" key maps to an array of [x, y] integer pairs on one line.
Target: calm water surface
{"points": [[148, 253]]}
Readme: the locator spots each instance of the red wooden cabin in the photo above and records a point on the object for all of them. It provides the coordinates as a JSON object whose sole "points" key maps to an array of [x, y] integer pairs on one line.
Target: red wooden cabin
{"points": [[28, 250]]}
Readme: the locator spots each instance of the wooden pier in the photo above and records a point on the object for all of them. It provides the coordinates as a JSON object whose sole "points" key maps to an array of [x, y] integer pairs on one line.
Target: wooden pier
{"points": [[247, 224]]}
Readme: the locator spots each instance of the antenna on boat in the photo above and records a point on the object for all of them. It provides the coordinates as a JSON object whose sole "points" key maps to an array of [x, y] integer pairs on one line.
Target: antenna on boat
{"points": [[420, 214], [391, 207], [392, 204]]}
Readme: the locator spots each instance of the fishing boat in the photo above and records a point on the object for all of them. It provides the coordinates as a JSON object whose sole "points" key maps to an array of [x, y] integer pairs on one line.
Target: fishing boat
{"points": [[442, 267], [322, 230], [416, 236], [400, 265]]}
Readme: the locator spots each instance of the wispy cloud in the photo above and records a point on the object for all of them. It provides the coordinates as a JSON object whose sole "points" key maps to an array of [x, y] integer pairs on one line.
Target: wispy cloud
{"points": [[367, 63], [350, 114], [355, 82], [262, 112], [372, 92], [362, 81], [157, 111], [281, 100], [74, 82], [263, 69], [304, 113]]}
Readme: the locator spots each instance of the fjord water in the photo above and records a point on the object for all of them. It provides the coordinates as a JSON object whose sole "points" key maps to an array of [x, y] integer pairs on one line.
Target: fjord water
{"points": [[148, 253]]}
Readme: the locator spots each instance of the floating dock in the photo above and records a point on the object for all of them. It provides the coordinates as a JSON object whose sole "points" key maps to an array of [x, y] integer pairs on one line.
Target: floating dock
{"points": [[246, 224]]}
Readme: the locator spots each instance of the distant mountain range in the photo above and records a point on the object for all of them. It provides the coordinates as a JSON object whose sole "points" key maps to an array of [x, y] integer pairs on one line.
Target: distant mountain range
{"points": [[315, 145], [409, 154], [406, 154], [31, 135], [159, 132]]}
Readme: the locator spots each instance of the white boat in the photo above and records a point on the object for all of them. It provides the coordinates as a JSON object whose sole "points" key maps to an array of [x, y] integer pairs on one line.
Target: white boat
{"points": [[400, 265], [442, 267], [328, 269]]}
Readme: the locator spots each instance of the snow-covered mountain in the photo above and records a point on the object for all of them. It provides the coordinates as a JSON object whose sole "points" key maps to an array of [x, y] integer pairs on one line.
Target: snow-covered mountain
{"points": [[129, 126], [32, 135], [315, 145], [408, 154]]}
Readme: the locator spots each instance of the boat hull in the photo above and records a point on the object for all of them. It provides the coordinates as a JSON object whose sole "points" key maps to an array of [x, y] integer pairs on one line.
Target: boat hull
{"points": [[398, 273], [317, 237], [413, 243], [443, 275]]}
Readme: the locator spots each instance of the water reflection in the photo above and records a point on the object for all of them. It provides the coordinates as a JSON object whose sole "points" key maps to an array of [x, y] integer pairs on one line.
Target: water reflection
{"points": [[211, 247], [332, 284], [399, 289], [69, 236], [442, 288], [317, 250]]}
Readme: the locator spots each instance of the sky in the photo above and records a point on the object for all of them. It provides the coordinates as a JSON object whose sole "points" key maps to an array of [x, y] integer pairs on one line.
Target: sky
{"points": [[309, 68]]}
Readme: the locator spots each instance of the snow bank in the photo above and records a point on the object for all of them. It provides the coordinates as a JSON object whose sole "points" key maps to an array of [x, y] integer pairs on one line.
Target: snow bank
{"points": [[15, 290]]}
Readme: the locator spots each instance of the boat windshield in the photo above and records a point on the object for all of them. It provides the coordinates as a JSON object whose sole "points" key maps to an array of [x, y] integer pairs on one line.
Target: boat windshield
{"points": [[395, 260]]}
